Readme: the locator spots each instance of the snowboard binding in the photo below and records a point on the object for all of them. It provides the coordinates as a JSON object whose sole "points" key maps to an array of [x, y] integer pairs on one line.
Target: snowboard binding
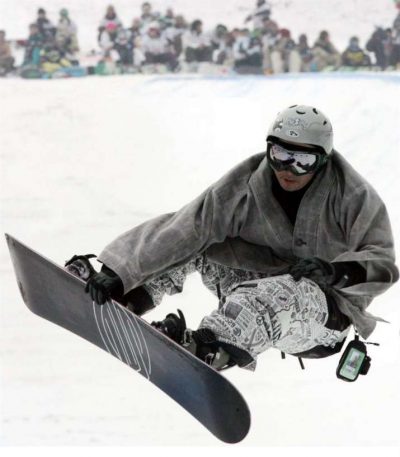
{"points": [[202, 342], [173, 326]]}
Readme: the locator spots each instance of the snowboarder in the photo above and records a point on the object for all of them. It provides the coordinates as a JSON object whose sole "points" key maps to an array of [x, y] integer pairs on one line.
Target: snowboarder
{"points": [[293, 242]]}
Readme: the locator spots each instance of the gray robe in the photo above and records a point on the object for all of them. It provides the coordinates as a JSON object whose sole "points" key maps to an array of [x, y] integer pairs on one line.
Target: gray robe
{"points": [[239, 223]]}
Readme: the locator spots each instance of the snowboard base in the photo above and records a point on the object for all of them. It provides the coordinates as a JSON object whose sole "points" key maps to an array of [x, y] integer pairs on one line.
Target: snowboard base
{"points": [[54, 294]]}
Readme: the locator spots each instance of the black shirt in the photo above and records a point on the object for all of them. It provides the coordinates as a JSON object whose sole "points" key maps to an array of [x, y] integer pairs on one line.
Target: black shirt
{"points": [[289, 201]]}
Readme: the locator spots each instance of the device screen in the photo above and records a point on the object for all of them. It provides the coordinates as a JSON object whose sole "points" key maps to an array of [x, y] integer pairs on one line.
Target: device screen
{"points": [[352, 364]]}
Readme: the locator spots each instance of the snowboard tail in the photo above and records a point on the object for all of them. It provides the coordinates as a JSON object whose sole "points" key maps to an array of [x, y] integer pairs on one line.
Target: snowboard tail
{"points": [[54, 294]]}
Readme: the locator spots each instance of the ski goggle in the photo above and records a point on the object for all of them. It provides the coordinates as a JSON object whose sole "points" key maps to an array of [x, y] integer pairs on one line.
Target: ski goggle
{"points": [[299, 162]]}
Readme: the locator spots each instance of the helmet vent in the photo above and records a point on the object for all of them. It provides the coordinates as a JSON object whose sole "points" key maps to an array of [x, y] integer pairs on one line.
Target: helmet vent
{"points": [[293, 106], [325, 122], [300, 112], [315, 111]]}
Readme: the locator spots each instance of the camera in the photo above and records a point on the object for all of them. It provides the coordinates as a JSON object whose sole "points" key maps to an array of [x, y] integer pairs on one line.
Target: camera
{"points": [[354, 361]]}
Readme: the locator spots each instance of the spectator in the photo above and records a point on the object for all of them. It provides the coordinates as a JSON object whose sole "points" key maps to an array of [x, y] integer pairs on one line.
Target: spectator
{"points": [[52, 58], [377, 45], [325, 52], [395, 55], [168, 20], [174, 34], [247, 53], [6, 58], [219, 44], [124, 45], [33, 46], [261, 12], [396, 23], [107, 39], [388, 44], [196, 44], [110, 19], [147, 17], [306, 54], [284, 56], [66, 35], [135, 28], [157, 49], [354, 56], [269, 37], [147, 14], [269, 27], [135, 38], [46, 28]]}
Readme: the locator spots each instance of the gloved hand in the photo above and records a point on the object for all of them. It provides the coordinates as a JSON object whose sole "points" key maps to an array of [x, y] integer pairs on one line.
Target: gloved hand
{"points": [[104, 285], [80, 266], [318, 270]]}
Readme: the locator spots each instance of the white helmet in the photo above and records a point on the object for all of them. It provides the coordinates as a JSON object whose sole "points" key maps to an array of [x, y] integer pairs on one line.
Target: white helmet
{"points": [[305, 125]]}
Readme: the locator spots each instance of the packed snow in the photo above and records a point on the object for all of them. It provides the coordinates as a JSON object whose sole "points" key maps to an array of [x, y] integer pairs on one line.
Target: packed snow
{"points": [[83, 160]]}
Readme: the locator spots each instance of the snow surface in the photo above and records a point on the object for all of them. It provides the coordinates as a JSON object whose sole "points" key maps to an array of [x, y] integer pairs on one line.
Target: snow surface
{"points": [[83, 160]]}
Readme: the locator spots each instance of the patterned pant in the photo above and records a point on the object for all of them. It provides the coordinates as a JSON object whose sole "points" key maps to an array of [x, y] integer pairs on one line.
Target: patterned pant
{"points": [[257, 312]]}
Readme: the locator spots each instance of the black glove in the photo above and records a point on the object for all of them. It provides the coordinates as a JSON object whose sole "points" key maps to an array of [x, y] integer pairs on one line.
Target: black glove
{"points": [[319, 271], [80, 266], [326, 274], [104, 285]]}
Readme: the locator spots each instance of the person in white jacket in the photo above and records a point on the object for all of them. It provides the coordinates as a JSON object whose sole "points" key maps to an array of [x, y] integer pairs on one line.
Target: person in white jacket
{"points": [[247, 52], [260, 13], [197, 44], [157, 49]]}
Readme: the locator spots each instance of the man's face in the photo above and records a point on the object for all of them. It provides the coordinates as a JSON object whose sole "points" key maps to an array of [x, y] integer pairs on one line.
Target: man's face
{"points": [[288, 180], [291, 182], [146, 8]]}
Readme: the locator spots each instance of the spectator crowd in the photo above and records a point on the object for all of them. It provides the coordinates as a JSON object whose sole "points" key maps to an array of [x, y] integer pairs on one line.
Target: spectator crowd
{"points": [[156, 41]]}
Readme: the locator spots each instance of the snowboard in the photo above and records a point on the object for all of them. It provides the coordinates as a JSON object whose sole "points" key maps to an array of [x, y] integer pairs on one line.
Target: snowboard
{"points": [[56, 295]]}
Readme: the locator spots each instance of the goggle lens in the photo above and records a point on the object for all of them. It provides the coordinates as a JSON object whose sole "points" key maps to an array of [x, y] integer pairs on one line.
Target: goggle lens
{"points": [[298, 162]]}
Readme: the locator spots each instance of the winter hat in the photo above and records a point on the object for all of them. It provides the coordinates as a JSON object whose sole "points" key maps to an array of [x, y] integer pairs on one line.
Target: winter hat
{"points": [[64, 12]]}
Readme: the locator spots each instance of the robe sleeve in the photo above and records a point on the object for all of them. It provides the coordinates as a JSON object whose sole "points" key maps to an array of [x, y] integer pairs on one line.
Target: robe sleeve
{"points": [[172, 239], [366, 225]]}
